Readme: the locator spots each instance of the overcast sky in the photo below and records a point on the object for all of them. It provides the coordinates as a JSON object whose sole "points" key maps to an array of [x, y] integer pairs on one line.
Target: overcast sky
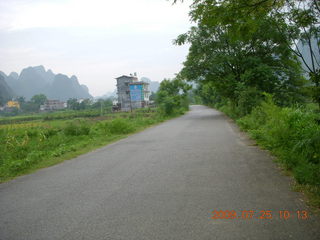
{"points": [[96, 40]]}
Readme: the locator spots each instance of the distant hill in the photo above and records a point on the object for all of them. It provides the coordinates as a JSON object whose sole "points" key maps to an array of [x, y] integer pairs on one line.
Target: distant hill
{"points": [[305, 51], [108, 95], [64, 88], [36, 80], [153, 85], [6, 92]]}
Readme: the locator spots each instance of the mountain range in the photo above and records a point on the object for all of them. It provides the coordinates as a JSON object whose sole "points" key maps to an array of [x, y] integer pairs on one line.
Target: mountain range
{"points": [[36, 80], [6, 92]]}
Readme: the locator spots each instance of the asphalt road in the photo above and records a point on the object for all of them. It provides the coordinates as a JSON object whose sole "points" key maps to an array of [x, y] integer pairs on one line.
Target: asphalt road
{"points": [[162, 183]]}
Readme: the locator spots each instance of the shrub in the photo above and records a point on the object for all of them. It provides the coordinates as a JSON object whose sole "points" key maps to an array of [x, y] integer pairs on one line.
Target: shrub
{"points": [[293, 134], [172, 97], [77, 129], [119, 126]]}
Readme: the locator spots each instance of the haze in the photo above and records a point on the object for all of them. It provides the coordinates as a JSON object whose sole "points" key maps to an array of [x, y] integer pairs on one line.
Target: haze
{"points": [[95, 40]]}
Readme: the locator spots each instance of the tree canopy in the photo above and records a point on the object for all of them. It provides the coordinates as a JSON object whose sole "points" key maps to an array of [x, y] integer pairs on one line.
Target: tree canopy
{"points": [[243, 48]]}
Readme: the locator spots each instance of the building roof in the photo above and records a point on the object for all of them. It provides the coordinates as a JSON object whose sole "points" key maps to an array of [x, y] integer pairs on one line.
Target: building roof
{"points": [[126, 77]]}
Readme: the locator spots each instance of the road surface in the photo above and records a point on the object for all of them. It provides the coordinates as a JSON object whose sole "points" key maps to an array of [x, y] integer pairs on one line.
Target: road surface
{"points": [[162, 183]]}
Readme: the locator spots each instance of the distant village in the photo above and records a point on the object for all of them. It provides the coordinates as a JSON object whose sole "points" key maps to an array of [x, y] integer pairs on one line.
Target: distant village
{"points": [[131, 93]]}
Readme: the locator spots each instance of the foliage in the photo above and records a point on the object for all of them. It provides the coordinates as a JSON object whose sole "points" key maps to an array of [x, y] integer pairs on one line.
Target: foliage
{"points": [[172, 96], [303, 25], [63, 114], [21, 99], [78, 128], [30, 107], [119, 126], [39, 99], [152, 96], [293, 134], [73, 104], [102, 103]]}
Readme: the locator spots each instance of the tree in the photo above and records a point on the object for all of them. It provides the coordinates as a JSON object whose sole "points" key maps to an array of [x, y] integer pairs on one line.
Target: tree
{"points": [[39, 99], [239, 47], [172, 96], [303, 24], [104, 103], [152, 96], [21, 100], [85, 103], [30, 107], [296, 24], [73, 104]]}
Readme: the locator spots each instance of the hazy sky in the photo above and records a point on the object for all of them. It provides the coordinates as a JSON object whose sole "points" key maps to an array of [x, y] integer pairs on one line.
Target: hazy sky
{"points": [[96, 40]]}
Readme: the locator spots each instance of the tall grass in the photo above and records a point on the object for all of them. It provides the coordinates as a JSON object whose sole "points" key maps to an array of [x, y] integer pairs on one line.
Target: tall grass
{"points": [[64, 114], [293, 135]]}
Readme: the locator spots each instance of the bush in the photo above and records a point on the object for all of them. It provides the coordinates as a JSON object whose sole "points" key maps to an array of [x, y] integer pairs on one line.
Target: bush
{"points": [[172, 97], [248, 99], [119, 126], [74, 129], [293, 134]]}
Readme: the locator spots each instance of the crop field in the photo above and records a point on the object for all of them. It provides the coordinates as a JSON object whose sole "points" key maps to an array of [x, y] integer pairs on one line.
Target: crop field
{"points": [[28, 143], [66, 114]]}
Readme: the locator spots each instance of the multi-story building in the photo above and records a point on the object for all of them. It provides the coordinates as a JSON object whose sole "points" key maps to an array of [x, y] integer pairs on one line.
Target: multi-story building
{"points": [[132, 93], [50, 105]]}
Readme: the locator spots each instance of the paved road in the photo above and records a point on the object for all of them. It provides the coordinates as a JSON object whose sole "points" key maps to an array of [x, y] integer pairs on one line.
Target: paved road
{"points": [[162, 183]]}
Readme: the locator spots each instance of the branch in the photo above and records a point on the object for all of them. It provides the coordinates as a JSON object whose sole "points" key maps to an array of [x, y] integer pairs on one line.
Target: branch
{"points": [[301, 56], [316, 5]]}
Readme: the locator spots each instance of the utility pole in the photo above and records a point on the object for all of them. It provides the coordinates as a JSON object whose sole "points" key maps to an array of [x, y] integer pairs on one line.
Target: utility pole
{"points": [[130, 99]]}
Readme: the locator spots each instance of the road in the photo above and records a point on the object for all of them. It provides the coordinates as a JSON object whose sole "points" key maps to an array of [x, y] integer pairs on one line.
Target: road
{"points": [[162, 183]]}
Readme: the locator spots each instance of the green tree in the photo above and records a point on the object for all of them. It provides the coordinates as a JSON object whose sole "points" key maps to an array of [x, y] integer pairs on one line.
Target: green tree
{"points": [[303, 26], [85, 104], [152, 96], [172, 96], [73, 104], [21, 100], [39, 99], [30, 107], [239, 47]]}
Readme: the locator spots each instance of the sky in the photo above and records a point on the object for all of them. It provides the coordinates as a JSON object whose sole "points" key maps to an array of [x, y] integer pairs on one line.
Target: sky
{"points": [[96, 40]]}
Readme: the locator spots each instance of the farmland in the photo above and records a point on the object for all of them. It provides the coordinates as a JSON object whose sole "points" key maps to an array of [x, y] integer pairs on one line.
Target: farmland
{"points": [[36, 141]]}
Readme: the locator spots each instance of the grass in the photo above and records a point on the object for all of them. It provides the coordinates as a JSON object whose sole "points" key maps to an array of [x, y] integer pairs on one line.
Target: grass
{"points": [[63, 114], [293, 136], [28, 146]]}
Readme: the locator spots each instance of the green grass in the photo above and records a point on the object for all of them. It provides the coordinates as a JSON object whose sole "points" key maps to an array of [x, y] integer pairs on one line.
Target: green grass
{"points": [[293, 135], [49, 116], [28, 146]]}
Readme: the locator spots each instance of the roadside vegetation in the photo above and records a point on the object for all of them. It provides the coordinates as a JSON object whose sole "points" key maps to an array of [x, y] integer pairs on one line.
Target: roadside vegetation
{"points": [[172, 97], [293, 135], [259, 62], [44, 141]]}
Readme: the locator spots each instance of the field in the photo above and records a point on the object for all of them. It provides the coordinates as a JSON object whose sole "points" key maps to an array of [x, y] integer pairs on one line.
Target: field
{"points": [[36, 141], [65, 114]]}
